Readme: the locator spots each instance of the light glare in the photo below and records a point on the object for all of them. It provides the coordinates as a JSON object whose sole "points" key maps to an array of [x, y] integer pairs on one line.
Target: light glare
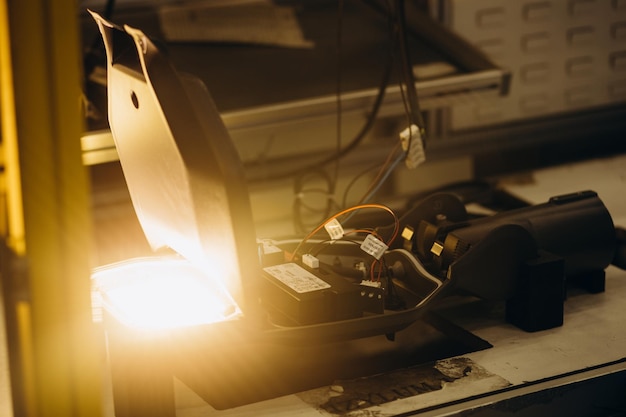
{"points": [[162, 293]]}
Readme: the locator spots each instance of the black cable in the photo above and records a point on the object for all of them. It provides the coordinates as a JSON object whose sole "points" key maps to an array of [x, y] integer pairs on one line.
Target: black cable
{"points": [[319, 247], [398, 32], [339, 122], [108, 9], [299, 194], [393, 300], [318, 167], [95, 55], [353, 181], [407, 67], [384, 82], [397, 53]]}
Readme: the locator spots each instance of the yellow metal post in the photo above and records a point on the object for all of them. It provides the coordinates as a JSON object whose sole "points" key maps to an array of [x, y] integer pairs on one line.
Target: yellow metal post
{"points": [[57, 351]]}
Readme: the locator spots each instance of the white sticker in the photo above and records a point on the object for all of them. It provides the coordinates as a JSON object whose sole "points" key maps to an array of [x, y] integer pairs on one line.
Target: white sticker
{"points": [[297, 278], [413, 145], [334, 229], [373, 246]]}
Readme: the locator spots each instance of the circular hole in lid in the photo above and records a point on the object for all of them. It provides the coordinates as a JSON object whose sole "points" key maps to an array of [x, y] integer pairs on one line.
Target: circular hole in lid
{"points": [[134, 99]]}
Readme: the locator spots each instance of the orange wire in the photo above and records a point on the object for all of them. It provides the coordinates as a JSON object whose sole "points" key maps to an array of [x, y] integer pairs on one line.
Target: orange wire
{"points": [[370, 231], [346, 211], [380, 271]]}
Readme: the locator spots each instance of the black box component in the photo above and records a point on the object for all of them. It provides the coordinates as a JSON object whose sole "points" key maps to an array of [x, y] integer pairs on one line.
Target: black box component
{"points": [[525, 256], [308, 296]]}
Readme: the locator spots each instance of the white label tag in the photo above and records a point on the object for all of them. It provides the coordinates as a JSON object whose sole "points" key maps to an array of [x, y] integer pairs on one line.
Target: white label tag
{"points": [[413, 145], [373, 246], [334, 229], [297, 278]]}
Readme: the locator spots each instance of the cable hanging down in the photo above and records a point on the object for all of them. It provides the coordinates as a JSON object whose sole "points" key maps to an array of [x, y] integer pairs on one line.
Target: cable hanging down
{"points": [[335, 217]]}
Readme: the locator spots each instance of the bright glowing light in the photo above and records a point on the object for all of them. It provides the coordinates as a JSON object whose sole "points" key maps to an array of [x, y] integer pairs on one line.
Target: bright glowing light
{"points": [[162, 293]]}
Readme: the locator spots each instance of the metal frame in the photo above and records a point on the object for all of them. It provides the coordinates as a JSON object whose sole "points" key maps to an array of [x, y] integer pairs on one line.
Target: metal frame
{"points": [[53, 346]]}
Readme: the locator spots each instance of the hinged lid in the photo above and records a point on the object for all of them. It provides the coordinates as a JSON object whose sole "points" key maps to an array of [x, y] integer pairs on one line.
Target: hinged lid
{"points": [[183, 173]]}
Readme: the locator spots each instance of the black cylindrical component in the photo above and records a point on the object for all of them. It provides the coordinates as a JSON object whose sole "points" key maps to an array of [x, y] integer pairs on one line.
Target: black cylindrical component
{"points": [[576, 227]]}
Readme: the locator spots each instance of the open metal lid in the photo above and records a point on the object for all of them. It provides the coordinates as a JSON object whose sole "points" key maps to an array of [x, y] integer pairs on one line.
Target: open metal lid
{"points": [[183, 173]]}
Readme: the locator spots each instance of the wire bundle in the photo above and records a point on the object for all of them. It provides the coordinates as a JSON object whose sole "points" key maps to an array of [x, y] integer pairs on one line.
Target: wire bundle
{"points": [[399, 54]]}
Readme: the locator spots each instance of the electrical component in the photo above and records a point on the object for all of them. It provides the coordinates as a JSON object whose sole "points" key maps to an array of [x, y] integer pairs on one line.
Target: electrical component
{"points": [[310, 261], [372, 296], [300, 295], [335, 230], [524, 256], [305, 293], [407, 233], [374, 284], [269, 252], [413, 145]]}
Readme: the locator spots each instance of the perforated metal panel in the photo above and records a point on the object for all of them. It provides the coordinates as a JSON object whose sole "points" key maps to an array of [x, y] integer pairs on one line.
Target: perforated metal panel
{"points": [[565, 55]]}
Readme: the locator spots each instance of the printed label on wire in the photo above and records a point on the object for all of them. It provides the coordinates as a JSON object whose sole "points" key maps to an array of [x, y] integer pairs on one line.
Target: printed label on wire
{"points": [[413, 145], [373, 246], [334, 229]]}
